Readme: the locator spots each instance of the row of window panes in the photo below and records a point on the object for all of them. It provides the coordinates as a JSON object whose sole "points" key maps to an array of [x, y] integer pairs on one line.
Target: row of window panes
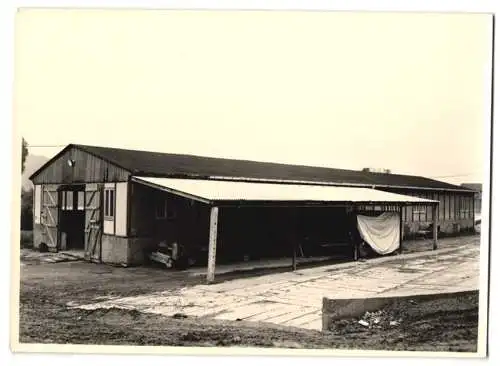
{"points": [[67, 200], [109, 205], [450, 207], [392, 208], [454, 207]]}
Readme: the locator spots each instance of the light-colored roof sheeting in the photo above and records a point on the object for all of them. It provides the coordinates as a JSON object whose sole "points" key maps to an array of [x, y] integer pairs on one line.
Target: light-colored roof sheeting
{"points": [[212, 190]]}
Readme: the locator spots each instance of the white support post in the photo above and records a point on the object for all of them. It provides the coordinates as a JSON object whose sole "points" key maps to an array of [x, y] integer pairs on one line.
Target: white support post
{"points": [[355, 244], [435, 213], [212, 243], [400, 229]]}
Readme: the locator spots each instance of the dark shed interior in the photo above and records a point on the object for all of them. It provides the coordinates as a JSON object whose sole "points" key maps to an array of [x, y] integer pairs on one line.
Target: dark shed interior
{"points": [[244, 232], [247, 233]]}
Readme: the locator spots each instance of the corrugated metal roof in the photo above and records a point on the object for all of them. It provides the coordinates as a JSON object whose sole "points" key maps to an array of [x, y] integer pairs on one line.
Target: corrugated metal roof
{"points": [[155, 164], [213, 191]]}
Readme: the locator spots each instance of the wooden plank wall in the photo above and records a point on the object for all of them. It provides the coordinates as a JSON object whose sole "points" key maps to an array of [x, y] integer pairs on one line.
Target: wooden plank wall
{"points": [[37, 203], [450, 205], [121, 196], [87, 169], [187, 222]]}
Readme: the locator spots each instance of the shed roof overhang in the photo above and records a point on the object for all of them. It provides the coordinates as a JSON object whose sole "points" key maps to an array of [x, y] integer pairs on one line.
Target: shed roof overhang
{"points": [[216, 192]]}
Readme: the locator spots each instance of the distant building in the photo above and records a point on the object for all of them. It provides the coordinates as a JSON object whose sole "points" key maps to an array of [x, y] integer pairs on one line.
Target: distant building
{"points": [[478, 188]]}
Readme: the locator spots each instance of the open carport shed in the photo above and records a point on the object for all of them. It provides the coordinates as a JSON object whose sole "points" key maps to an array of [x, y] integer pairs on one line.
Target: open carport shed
{"points": [[118, 206], [219, 195]]}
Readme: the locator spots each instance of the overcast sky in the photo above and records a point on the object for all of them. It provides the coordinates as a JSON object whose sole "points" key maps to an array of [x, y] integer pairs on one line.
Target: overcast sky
{"points": [[406, 92]]}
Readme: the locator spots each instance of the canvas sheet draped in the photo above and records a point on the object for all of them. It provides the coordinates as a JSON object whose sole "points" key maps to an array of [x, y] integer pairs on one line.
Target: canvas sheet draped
{"points": [[381, 232]]}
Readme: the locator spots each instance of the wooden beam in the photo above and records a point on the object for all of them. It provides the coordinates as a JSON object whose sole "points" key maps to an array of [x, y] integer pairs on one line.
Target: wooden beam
{"points": [[354, 222], [114, 209], [212, 243], [101, 220], [170, 190], [473, 212], [293, 236], [434, 226]]}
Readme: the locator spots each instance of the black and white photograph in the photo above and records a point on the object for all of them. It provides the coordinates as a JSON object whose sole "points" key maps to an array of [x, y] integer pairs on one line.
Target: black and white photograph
{"points": [[252, 180]]}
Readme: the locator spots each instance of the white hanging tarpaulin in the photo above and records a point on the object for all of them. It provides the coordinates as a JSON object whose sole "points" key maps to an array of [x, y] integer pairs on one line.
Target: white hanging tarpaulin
{"points": [[381, 232]]}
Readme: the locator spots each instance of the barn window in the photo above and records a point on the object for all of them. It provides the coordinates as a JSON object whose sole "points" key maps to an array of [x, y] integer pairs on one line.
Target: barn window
{"points": [[452, 207], [418, 213], [471, 207], [428, 209], [109, 203], [164, 210], [408, 214], [464, 207], [81, 200], [69, 200], [161, 209], [441, 207]]}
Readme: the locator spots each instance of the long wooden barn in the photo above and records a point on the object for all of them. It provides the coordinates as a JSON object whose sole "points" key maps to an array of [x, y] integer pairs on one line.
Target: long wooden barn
{"points": [[117, 205]]}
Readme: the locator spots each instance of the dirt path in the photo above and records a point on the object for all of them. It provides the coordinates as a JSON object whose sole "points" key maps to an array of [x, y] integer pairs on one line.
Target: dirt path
{"points": [[441, 326]]}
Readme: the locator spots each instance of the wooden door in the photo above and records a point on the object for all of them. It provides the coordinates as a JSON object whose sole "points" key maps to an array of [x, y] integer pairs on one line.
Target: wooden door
{"points": [[49, 218], [93, 221]]}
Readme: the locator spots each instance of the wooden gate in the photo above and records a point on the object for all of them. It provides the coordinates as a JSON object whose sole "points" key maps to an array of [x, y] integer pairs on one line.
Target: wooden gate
{"points": [[50, 216], [93, 221]]}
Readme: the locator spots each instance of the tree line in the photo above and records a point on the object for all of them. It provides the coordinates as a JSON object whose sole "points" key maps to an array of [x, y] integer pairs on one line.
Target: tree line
{"points": [[26, 195]]}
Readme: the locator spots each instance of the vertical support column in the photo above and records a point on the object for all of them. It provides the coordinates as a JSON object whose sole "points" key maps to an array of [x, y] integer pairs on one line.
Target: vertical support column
{"points": [[400, 249], [293, 237], [473, 213], [435, 226], [354, 222], [212, 243], [101, 218]]}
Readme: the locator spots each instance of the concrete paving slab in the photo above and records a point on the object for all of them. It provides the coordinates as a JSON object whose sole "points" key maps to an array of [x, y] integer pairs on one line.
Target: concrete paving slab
{"points": [[314, 325], [296, 298], [295, 312], [242, 312], [295, 301], [279, 310], [304, 319]]}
